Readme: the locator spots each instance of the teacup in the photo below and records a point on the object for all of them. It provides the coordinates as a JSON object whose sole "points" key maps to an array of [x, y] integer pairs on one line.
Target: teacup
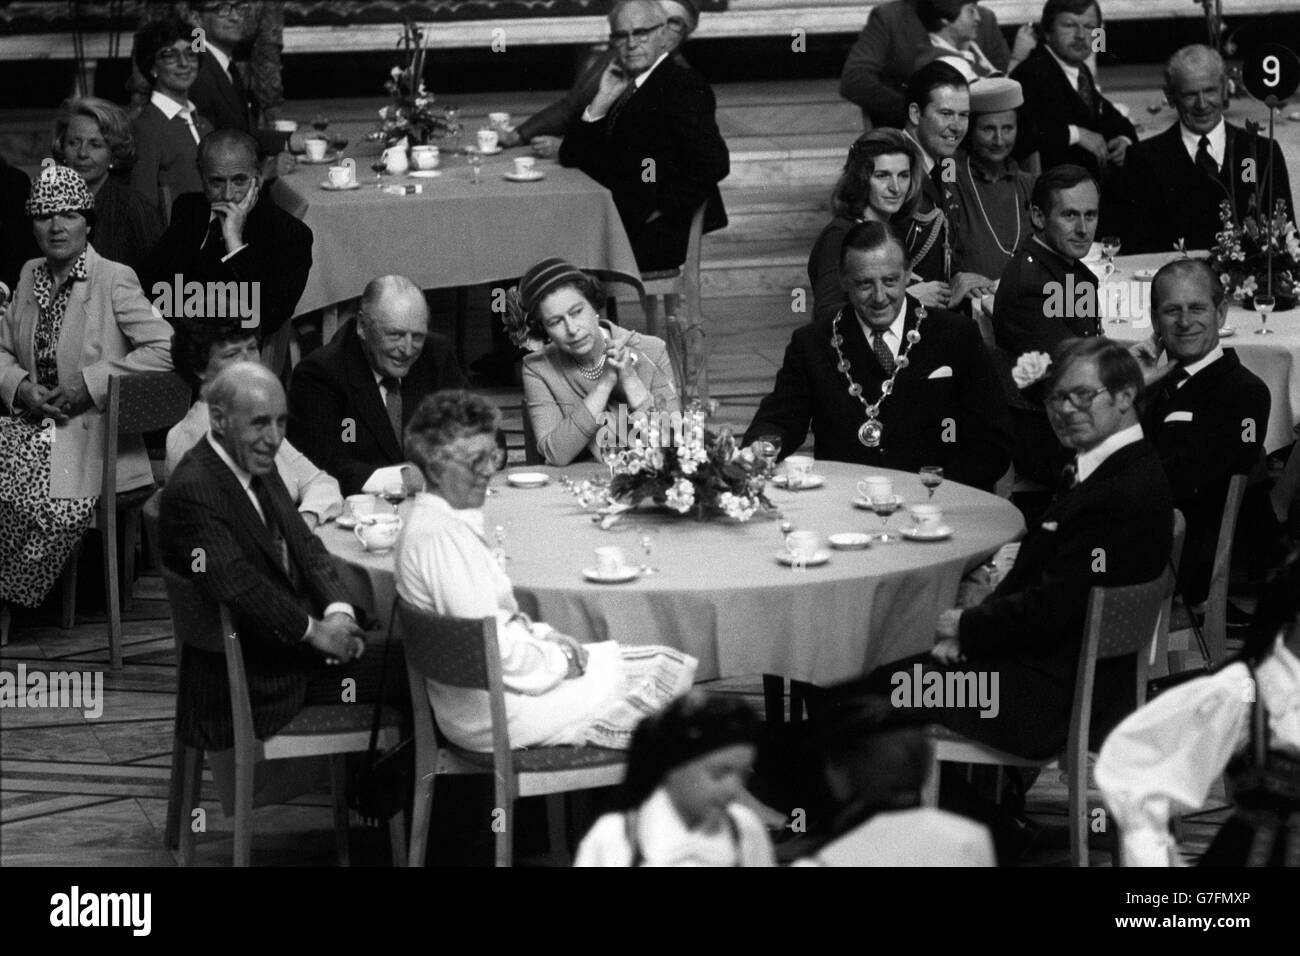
{"points": [[499, 121], [425, 157], [359, 506], [341, 176], [378, 532], [875, 487], [315, 147], [488, 139], [524, 165], [285, 126], [803, 544], [926, 518], [609, 561]]}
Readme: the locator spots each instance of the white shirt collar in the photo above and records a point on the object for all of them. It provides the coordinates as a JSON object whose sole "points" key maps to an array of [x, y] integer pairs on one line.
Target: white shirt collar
{"points": [[222, 58], [1218, 141], [1071, 72], [666, 841], [243, 476], [893, 334], [925, 156], [1206, 360], [640, 78], [170, 108], [1090, 460]]}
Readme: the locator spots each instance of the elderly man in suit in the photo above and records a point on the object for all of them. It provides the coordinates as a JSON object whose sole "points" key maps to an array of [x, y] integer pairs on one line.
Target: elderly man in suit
{"points": [[650, 136], [876, 73], [1065, 118], [1112, 525], [351, 399], [227, 503], [1175, 181], [232, 232], [886, 382]]}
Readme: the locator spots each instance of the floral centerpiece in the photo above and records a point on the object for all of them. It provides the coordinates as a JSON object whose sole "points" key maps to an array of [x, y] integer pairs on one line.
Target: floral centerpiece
{"points": [[411, 116]]}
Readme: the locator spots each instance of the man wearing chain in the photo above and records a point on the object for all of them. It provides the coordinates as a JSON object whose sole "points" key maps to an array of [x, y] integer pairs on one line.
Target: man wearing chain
{"points": [[888, 382]]}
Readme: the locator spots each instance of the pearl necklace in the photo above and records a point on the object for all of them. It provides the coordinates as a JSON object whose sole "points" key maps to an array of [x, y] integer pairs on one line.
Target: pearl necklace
{"points": [[872, 431], [979, 202], [593, 372]]}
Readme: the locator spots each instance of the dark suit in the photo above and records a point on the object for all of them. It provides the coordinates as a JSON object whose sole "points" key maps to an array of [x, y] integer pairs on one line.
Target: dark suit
{"points": [[669, 120], [1051, 106], [1029, 630], [1167, 197], [204, 506], [1200, 430], [230, 106], [809, 391], [277, 255], [335, 385], [17, 242]]}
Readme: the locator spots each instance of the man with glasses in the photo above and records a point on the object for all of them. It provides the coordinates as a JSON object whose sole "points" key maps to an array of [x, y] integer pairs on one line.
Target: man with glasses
{"points": [[350, 400], [1175, 181], [650, 136]]}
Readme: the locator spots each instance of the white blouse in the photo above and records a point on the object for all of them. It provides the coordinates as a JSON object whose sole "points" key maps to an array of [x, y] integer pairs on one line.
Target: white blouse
{"points": [[1164, 758]]}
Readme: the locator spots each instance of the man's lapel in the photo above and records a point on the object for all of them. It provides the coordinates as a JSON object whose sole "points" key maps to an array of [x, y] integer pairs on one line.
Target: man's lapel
{"points": [[365, 397], [240, 505]]}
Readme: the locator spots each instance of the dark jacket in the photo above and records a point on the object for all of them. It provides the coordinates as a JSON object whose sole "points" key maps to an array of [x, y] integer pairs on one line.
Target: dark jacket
{"points": [[337, 416], [957, 420], [1042, 300], [17, 242], [127, 226]]}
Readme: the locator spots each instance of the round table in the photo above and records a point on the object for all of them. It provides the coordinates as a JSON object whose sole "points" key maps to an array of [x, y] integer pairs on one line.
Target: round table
{"points": [[721, 595]]}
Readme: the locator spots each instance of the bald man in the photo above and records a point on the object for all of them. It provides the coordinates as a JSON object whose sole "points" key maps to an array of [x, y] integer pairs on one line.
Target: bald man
{"points": [[350, 400], [228, 524]]}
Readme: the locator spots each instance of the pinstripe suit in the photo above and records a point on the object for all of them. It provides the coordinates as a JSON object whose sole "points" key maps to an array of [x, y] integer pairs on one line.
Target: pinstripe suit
{"points": [[205, 507]]}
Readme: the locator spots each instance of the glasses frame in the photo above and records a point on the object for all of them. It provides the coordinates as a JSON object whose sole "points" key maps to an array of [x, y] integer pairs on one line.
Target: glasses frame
{"points": [[1057, 401], [496, 458], [227, 9], [641, 35], [170, 55]]}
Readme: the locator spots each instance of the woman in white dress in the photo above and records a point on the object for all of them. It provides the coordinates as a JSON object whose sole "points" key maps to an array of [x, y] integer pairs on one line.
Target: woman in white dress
{"points": [[558, 690]]}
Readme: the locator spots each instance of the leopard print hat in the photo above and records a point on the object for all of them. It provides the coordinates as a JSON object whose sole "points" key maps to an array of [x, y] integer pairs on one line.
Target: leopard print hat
{"points": [[59, 189]]}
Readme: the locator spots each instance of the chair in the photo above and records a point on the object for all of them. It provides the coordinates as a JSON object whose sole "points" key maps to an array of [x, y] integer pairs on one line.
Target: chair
{"points": [[461, 652], [531, 455], [1159, 661], [282, 351], [1120, 621], [138, 402], [334, 730]]}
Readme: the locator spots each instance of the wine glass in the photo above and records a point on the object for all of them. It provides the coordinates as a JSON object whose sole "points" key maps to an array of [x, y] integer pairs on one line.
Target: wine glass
{"points": [[885, 507], [379, 166], [340, 143], [768, 448], [475, 157], [394, 493], [647, 538], [932, 478], [1264, 305], [451, 115], [320, 122], [1110, 246]]}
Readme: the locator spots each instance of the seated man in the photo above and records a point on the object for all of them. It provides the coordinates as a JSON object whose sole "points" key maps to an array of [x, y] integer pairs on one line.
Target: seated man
{"points": [[884, 56], [650, 136], [1065, 118], [201, 349], [225, 501], [1113, 525], [886, 382], [233, 233], [351, 399], [1206, 417], [1175, 181]]}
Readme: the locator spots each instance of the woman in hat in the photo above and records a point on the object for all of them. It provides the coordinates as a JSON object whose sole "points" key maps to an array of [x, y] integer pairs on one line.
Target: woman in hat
{"points": [[582, 368], [75, 319], [683, 797]]}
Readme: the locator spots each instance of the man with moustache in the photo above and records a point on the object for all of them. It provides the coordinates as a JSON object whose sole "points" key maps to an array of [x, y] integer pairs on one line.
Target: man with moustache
{"points": [[1175, 181], [886, 382]]}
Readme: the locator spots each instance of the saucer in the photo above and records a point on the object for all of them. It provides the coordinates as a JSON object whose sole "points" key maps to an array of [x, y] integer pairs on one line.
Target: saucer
{"points": [[340, 189], [627, 573], [850, 541], [788, 559], [809, 481], [1145, 274], [528, 479], [532, 177], [424, 174], [345, 521], [493, 152], [326, 160], [942, 533], [865, 503], [1227, 332]]}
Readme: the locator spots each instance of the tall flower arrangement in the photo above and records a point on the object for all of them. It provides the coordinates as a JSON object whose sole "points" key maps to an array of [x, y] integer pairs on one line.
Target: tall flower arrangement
{"points": [[1241, 250], [411, 115]]}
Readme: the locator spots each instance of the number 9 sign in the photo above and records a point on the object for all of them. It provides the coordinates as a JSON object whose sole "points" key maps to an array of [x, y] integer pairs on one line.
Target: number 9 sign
{"points": [[1270, 72]]}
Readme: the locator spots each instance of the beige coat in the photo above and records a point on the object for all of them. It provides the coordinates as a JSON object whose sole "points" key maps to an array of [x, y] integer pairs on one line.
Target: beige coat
{"points": [[110, 327]]}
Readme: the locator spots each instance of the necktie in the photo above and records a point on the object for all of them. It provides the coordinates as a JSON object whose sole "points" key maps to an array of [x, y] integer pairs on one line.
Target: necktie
{"points": [[1087, 89], [614, 111], [1069, 478], [883, 355], [187, 117], [1204, 160], [269, 515], [214, 242], [393, 402], [936, 177]]}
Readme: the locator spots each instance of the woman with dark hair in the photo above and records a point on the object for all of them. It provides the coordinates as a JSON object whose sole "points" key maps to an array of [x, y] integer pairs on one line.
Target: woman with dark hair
{"points": [[558, 690], [94, 138], [881, 182], [1243, 721], [682, 798], [76, 318], [169, 127], [581, 366]]}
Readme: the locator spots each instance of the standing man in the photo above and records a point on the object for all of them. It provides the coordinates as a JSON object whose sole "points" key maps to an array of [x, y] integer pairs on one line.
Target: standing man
{"points": [[650, 136]]}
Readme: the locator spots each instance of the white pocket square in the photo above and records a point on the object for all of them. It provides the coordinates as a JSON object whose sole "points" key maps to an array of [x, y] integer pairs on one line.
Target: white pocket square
{"points": [[1178, 417], [943, 371], [1051, 525]]}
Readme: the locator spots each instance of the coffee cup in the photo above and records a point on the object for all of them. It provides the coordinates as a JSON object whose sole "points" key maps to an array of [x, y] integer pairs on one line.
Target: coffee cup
{"points": [[876, 487], [926, 518], [285, 126], [378, 532], [340, 176], [359, 506], [499, 121], [524, 165], [803, 544], [488, 140], [425, 157], [609, 561], [315, 147]]}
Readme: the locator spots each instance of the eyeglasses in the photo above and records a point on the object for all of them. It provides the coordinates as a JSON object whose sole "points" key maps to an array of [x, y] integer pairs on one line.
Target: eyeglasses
{"points": [[484, 462], [227, 9], [625, 38], [677, 23], [172, 55], [1080, 399]]}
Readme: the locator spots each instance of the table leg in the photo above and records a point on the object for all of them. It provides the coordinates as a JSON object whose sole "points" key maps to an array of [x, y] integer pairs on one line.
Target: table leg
{"points": [[774, 699]]}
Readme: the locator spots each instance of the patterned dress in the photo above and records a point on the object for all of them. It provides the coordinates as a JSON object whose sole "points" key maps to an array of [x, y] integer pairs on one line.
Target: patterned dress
{"points": [[37, 532]]}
